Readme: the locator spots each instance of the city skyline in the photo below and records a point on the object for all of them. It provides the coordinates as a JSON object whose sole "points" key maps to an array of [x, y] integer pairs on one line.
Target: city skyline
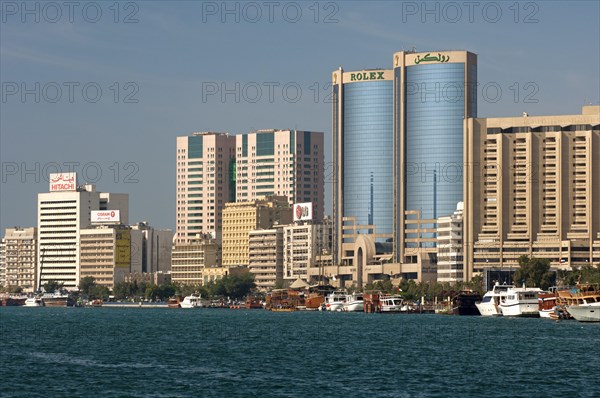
{"points": [[128, 146]]}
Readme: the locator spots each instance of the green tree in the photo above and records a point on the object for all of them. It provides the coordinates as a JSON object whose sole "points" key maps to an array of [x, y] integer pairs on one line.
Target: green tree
{"points": [[98, 292], [51, 286], [86, 284], [534, 272]]}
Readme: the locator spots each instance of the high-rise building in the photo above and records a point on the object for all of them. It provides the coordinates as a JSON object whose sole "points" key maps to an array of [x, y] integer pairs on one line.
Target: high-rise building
{"points": [[242, 217], [205, 182], [399, 147], [62, 213], [362, 156], [282, 163], [534, 191], [18, 258], [434, 93]]}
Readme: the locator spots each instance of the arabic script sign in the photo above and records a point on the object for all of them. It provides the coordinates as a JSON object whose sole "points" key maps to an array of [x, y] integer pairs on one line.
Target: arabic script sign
{"points": [[302, 211], [106, 216], [63, 182], [432, 58]]}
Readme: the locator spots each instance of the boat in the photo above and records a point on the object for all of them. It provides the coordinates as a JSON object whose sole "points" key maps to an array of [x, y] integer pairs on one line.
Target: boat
{"points": [[547, 304], [253, 302], [587, 312], [58, 299], [34, 302], [174, 302], [284, 300], [390, 304], [13, 301], [521, 301], [581, 301], [192, 301], [335, 300], [463, 303], [490, 302], [95, 303], [354, 303]]}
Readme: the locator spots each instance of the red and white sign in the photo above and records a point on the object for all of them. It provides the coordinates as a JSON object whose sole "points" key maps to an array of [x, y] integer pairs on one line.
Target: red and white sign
{"points": [[303, 211], [106, 216], [63, 182]]}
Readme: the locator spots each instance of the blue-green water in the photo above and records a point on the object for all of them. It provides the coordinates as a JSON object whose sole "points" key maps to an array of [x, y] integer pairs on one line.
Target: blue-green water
{"points": [[129, 352]]}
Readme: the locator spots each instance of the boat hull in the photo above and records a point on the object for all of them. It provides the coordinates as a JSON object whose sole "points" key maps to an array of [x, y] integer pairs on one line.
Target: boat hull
{"points": [[354, 306], [488, 309], [521, 310], [585, 312]]}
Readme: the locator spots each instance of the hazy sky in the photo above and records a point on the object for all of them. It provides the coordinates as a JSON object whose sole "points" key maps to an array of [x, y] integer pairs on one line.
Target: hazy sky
{"points": [[108, 88]]}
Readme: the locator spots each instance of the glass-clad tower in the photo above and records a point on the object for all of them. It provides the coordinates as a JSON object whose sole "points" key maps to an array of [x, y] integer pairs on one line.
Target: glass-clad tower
{"points": [[434, 94], [363, 156]]}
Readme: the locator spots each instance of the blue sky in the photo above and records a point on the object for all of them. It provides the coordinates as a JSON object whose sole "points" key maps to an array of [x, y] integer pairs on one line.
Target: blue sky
{"points": [[154, 72]]}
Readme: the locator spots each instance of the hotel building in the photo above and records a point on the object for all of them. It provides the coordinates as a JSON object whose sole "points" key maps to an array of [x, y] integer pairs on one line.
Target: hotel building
{"points": [[242, 217], [18, 257], [282, 163], [535, 190], [205, 182], [62, 213]]}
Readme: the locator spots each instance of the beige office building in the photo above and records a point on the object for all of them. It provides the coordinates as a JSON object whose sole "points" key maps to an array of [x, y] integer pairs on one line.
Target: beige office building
{"points": [[18, 257], [534, 190], [265, 257], [242, 217], [189, 260], [105, 254], [283, 163], [304, 245], [205, 182]]}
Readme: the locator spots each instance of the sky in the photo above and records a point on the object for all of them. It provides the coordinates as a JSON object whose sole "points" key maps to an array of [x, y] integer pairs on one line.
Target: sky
{"points": [[104, 87]]}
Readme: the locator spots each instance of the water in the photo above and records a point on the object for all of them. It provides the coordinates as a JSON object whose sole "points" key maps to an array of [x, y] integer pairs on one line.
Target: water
{"points": [[129, 352]]}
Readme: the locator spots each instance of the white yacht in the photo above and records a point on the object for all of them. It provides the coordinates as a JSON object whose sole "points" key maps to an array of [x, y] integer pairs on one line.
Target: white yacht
{"points": [[354, 303], [521, 301], [490, 302], [392, 304], [587, 312], [34, 302], [335, 301], [192, 301]]}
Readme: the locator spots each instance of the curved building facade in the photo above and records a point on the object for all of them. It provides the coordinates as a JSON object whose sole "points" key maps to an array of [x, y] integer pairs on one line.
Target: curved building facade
{"points": [[435, 93], [363, 154]]}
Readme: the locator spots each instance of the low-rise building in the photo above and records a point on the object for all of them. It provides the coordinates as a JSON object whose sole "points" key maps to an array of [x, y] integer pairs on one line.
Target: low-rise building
{"points": [[303, 246], [189, 260], [105, 254]]}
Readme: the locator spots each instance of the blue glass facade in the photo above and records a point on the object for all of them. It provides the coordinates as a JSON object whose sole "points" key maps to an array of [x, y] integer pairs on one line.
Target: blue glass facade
{"points": [[435, 109], [368, 154]]}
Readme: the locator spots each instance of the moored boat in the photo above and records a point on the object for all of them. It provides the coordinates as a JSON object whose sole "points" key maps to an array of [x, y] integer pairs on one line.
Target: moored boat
{"points": [[34, 302], [391, 304], [490, 302], [174, 302], [587, 312], [547, 304], [192, 301], [58, 299], [335, 300], [464, 303], [354, 303], [521, 302]]}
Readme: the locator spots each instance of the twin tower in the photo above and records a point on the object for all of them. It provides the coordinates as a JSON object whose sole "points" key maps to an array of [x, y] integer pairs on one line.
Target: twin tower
{"points": [[399, 147]]}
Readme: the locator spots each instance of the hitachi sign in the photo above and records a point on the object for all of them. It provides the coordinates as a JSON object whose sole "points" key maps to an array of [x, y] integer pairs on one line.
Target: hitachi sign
{"points": [[366, 76]]}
